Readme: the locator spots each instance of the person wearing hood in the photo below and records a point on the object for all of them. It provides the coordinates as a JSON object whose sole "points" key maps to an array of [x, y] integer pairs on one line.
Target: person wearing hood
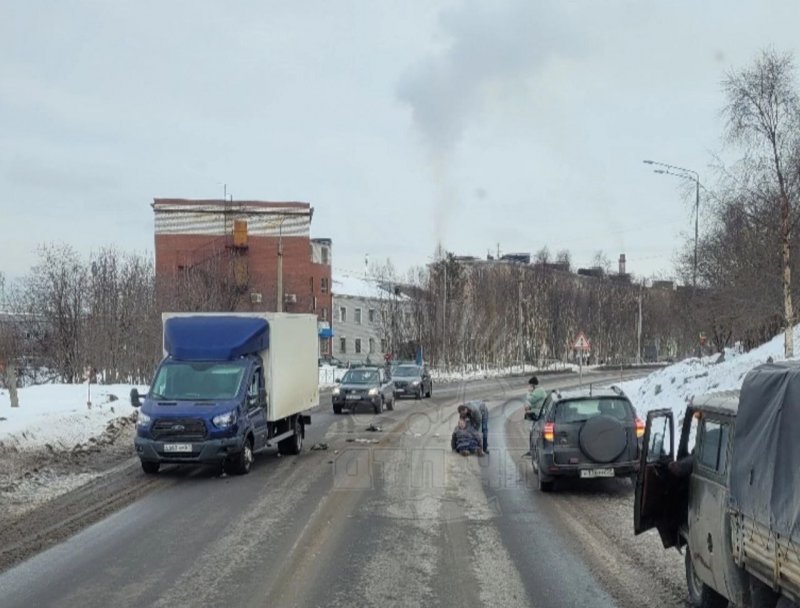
{"points": [[536, 396]]}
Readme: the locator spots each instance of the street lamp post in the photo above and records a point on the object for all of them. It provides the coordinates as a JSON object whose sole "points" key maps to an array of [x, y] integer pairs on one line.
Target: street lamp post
{"points": [[695, 177]]}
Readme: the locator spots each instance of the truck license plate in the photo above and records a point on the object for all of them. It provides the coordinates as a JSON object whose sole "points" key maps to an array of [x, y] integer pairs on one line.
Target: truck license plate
{"points": [[177, 447], [597, 473]]}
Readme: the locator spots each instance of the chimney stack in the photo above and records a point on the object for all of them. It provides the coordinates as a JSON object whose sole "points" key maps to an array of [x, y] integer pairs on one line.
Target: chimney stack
{"points": [[622, 263]]}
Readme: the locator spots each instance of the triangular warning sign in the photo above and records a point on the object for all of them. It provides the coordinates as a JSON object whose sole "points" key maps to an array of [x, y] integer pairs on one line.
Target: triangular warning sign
{"points": [[582, 342]]}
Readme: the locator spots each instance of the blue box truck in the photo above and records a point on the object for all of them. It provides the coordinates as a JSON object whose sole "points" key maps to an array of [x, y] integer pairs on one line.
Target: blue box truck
{"points": [[230, 386]]}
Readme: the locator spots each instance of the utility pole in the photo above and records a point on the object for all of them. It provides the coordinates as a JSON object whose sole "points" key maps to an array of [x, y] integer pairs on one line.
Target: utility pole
{"points": [[696, 227], [519, 326], [444, 317], [639, 328], [279, 306]]}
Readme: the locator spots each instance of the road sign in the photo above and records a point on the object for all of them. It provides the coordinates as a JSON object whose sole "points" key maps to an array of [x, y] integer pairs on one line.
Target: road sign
{"points": [[582, 343]]}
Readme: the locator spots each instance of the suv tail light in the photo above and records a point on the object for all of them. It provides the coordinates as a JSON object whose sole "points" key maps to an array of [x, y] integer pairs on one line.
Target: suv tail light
{"points": [[549, 432], [639, 427]]}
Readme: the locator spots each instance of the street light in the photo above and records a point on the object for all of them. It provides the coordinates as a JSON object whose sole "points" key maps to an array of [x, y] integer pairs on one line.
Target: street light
{"points": [[695, 177]]}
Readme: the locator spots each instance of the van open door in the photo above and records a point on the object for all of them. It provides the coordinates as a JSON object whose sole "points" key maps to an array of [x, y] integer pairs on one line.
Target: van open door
{"points": [[653, 505]]}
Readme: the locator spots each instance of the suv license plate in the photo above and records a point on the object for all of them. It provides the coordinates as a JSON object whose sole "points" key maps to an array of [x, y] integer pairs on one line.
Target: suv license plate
{"points": [[353, 397], [597, 473], [177, 447]]}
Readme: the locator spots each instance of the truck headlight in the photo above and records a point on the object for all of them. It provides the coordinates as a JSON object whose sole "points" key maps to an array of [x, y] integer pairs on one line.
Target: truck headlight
{"points": [[373, 392], [336, 390], [143, 420], [223, 421], [415, 383]]}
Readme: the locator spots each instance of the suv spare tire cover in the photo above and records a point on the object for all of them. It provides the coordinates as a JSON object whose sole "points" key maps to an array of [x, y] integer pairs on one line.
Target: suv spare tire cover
{"points": [[603, 438]]}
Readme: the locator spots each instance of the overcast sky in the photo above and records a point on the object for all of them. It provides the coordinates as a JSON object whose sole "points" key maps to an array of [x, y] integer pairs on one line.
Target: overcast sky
{"points": [[404, 123]]}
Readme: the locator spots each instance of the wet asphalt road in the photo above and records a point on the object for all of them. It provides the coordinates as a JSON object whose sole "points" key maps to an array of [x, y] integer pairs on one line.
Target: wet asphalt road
{"points": [[378, 519]]}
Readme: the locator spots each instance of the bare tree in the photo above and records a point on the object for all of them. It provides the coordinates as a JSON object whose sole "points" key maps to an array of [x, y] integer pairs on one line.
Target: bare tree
{"points": [[763, 116], [10, 349], [542, 256], [53, 297], [564, 258]]}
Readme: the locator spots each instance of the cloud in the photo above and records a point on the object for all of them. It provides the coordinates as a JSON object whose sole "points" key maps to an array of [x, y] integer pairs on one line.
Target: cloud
{"points": [[497, 46]]}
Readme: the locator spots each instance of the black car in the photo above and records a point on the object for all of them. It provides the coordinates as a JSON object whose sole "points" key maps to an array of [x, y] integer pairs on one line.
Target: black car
{"points": [[585, 434], [370, 386], [411, 380]]}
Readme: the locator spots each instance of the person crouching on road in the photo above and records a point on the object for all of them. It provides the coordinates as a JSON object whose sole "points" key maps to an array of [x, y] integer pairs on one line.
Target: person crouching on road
{"points": [[477, 416]]}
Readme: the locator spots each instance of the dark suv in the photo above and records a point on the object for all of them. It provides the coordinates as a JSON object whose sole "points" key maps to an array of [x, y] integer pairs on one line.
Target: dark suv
{"points": [[585, 434], [412, 380], [369, 386]]}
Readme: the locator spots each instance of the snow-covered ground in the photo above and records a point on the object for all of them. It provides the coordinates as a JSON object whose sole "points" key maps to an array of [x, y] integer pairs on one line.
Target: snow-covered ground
{"points": [[478, 373], [57, 415], [328, 375], [673, 386]]}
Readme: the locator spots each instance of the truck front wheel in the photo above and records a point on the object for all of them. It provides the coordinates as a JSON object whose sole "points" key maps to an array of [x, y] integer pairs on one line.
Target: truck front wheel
{"points": [[239, 464], [700, 594]]}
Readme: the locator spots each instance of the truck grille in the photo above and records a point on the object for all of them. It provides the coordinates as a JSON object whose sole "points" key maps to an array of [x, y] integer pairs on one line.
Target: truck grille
{"points": [[179, 428]]}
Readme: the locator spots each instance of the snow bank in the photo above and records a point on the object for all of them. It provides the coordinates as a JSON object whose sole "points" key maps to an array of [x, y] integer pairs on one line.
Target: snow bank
{"points": [[478, 373], [673, 386], [57, 414], [328, 374]]}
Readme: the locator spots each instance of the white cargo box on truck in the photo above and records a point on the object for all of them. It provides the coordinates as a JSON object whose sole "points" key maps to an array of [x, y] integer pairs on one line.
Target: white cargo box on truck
{"points": [[291, 373]]}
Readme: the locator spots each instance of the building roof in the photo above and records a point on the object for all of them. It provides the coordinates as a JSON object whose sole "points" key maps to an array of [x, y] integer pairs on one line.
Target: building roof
{"points": [[178, 216], [187, 202], [361, 287]]}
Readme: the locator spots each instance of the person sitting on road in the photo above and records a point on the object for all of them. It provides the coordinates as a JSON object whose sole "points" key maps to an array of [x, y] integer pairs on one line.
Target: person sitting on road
{"points": [[464, 440], [478, 417]]}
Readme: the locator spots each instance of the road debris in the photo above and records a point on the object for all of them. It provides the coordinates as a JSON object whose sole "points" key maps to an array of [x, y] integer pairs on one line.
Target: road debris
{"points": [[361, 440], [374, 428], [319, 446]]}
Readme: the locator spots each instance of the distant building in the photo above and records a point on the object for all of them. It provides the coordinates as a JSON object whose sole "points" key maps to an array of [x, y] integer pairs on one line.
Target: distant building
{"points": [[368, 319], [232, 247]]}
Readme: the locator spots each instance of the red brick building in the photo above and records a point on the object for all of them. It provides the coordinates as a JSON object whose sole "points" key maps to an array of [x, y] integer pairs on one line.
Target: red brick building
{"points": [[233, 246]]}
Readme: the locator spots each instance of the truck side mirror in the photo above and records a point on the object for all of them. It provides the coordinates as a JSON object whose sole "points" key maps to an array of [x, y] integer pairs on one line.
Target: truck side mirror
{"points": [[338, 381], [135, 399], [531, 416]]}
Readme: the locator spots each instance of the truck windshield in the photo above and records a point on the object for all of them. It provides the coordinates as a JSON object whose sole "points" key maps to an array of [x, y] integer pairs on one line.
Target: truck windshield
{"points": [[202, 381]]}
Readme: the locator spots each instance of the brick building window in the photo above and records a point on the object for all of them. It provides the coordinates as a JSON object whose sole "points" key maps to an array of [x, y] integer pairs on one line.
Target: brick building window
{"points": [[324, 314], [323, 285], [383, 345], [372, 316], [358, 346], [342, 314], [315, 304], [371, 345], [342, 345], [357, 316]]}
